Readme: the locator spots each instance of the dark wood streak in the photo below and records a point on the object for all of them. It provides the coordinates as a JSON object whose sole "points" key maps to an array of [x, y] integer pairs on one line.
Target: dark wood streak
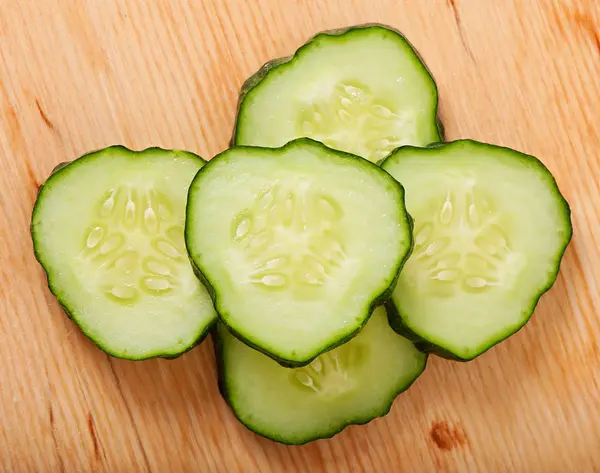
{"points": [[564, 17], [455, 12], [45, 118], [31, 176], [92, 430], [61, 463], [587, 25], [18, 145]]}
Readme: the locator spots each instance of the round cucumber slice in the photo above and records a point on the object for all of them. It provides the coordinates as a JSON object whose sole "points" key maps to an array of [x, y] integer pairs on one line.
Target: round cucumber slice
{"points": [[491, 227], [351, 384], [363, 90], [108, 230], [297, 243]]}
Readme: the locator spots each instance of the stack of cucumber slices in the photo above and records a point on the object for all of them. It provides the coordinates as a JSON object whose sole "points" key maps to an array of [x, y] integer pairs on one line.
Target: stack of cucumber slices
{"points": [[334, 245]]}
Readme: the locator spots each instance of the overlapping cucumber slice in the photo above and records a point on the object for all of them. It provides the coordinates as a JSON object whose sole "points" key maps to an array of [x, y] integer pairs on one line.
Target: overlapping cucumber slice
{"points": [[351, 384], [363, 90], [108, 230], [297, 243], [491, 227]]}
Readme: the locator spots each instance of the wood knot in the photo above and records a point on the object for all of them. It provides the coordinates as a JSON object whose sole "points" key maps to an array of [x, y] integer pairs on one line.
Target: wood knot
{"points": [[447, 437]]}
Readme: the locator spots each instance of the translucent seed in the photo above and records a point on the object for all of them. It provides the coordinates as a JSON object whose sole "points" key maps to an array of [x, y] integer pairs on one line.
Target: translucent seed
{"points": [[304, 378], [175, 234], [316, 365], [337, 248], [130, 212], [157, 284], [382, 112], [108, 205], [124, 292], [476, 282], [113, 243], [345, 116], [242, 229], [126, 261], [473, 215], [346, 102], [167, 249], [315, 266], [273, 280], [447, 211], [309, 278], [423, 234], [318, 117], [150, 220], [354, 91], [258, 242], [336, 362], [266, 200], [487, 244], [446, 275], [156, 267], [95, 236], [329, 208], [275, 263], [435, 246]]}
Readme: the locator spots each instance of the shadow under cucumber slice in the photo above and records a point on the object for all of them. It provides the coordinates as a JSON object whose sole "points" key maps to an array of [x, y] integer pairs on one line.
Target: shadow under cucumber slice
{"points": [[108, 229], [491, 227], [297, 244]]}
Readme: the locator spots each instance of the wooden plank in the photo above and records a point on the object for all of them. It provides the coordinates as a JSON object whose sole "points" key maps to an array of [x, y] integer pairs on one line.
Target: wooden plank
{"points": [[75, 76]]}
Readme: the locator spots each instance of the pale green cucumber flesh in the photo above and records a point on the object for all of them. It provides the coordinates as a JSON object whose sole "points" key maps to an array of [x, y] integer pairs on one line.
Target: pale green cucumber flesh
{"points": [[108, 231], [351, 384], [491, 227], [297, 243], [363, 90]]}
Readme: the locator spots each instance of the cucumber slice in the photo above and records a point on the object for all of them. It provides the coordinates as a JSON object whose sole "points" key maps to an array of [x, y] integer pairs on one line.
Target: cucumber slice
{"points": [[363, 90], [491, 227], [107, 229], [351, 384], [297, 243]]}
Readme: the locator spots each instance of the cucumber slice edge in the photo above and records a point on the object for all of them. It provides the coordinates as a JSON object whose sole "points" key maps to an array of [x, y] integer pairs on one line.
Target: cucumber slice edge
{"points": [[66, 166], [259, 75], [379, 300], [399, 322], [228, 396]]}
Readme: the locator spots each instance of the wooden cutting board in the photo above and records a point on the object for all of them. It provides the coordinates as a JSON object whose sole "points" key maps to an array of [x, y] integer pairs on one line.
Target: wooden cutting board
{"points": [[76, 76]]}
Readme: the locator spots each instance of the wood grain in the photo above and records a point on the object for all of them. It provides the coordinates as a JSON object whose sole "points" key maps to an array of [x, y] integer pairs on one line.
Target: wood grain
{"points": [[75, 76]]}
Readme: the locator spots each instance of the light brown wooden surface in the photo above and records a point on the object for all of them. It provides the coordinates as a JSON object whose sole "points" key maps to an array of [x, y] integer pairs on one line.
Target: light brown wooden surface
{"points": [[75, 76]]}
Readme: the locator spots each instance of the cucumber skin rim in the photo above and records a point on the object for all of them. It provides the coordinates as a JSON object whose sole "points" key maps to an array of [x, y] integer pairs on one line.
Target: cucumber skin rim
{"points": [[219, 348], [397, 319], [64, 306], [257, 77], [379, 300]]}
